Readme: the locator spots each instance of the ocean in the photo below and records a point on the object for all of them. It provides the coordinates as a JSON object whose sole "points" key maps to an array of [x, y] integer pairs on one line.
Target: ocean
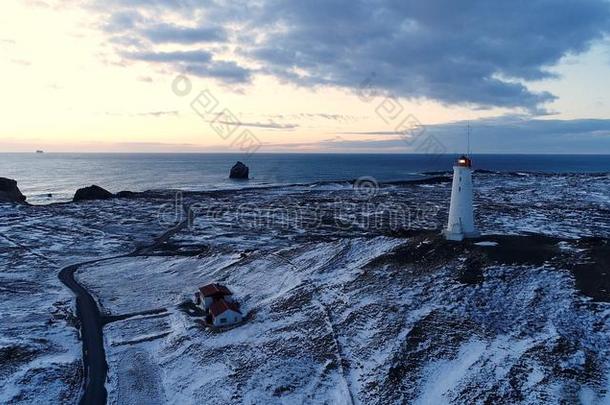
{"points": [[54, 177]]}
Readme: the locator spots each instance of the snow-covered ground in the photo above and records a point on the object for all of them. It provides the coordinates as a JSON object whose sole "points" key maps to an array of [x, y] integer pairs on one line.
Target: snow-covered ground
{"points": [[40, 351], [345, 303], [352, 320]]}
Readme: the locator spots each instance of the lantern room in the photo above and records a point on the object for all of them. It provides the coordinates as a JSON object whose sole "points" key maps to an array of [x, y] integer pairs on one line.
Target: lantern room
{"points": [[464, 161]]}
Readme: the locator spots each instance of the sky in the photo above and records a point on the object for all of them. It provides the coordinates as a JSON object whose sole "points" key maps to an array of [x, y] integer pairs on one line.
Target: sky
{"points": [[396, 76]]}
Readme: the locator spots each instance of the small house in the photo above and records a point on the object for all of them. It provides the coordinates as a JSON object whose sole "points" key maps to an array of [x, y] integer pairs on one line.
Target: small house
{"points": [[211, 293], [225, 313]]}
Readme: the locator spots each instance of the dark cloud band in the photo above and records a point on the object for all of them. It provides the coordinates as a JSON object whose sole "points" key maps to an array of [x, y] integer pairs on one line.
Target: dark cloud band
{"points": [[472, 52]]}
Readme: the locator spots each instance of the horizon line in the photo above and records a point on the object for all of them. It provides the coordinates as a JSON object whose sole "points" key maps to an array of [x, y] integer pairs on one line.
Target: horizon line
{"points": [[302, 153]]}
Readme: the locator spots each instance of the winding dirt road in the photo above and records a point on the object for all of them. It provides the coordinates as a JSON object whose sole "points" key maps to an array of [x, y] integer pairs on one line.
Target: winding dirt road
{"points": [[92, 321], [91, 326]]}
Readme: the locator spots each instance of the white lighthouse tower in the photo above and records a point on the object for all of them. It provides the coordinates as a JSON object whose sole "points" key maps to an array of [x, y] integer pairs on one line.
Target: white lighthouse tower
{"points": [[461, 217]]}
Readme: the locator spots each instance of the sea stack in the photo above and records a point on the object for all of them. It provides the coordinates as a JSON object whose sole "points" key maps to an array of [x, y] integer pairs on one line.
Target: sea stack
{"points": [[461, 213], [239, 171], [9, 192], [92, 193]]}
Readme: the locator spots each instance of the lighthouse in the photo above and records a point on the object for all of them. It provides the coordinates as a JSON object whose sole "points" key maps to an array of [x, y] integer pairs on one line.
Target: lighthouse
{"points": [[461, 217]]}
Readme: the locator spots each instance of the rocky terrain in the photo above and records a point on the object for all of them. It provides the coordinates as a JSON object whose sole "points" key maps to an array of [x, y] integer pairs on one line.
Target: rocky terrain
{"points": [[351, 296], [9, 192]]}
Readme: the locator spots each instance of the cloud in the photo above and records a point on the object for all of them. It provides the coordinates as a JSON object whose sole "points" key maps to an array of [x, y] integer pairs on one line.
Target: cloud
{"points": [[196, 62], [21, 62], [371, 133], [506, 134], [122, 20], [265, 125], [317, 116], [37, 3], [198, 56], [473, 52], [32, 144], [517, 134], [227, 71], [145, 114], [162, 33], [158, 113]]}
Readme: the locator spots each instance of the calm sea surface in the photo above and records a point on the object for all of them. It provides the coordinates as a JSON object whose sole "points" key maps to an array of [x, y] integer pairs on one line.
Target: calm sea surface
{"points": [[60, 174]]}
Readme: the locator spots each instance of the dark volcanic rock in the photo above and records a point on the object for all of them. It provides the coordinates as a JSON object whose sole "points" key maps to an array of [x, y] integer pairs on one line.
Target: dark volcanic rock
{"points": [[92, 193], [471, 271], [433, 180], [437, 173], [125, 194], [239, 171], [591, 271], [530, 249], [9, 192], [427, 180]]}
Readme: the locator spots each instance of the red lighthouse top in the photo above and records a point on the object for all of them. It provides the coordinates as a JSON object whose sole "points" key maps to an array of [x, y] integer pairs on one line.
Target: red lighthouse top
{"points": [[464, 161]]}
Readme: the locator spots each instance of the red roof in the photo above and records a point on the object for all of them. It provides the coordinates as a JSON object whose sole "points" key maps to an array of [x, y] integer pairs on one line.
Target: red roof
{"points": [[220, 306], [214, 289]]}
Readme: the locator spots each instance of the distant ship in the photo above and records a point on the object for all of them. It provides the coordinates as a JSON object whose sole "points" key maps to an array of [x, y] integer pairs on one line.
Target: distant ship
{"points": [[39, 151]]}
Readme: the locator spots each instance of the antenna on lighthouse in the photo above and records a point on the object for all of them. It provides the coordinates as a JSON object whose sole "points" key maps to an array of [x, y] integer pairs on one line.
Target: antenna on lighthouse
{"points": [[468, 140]]}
